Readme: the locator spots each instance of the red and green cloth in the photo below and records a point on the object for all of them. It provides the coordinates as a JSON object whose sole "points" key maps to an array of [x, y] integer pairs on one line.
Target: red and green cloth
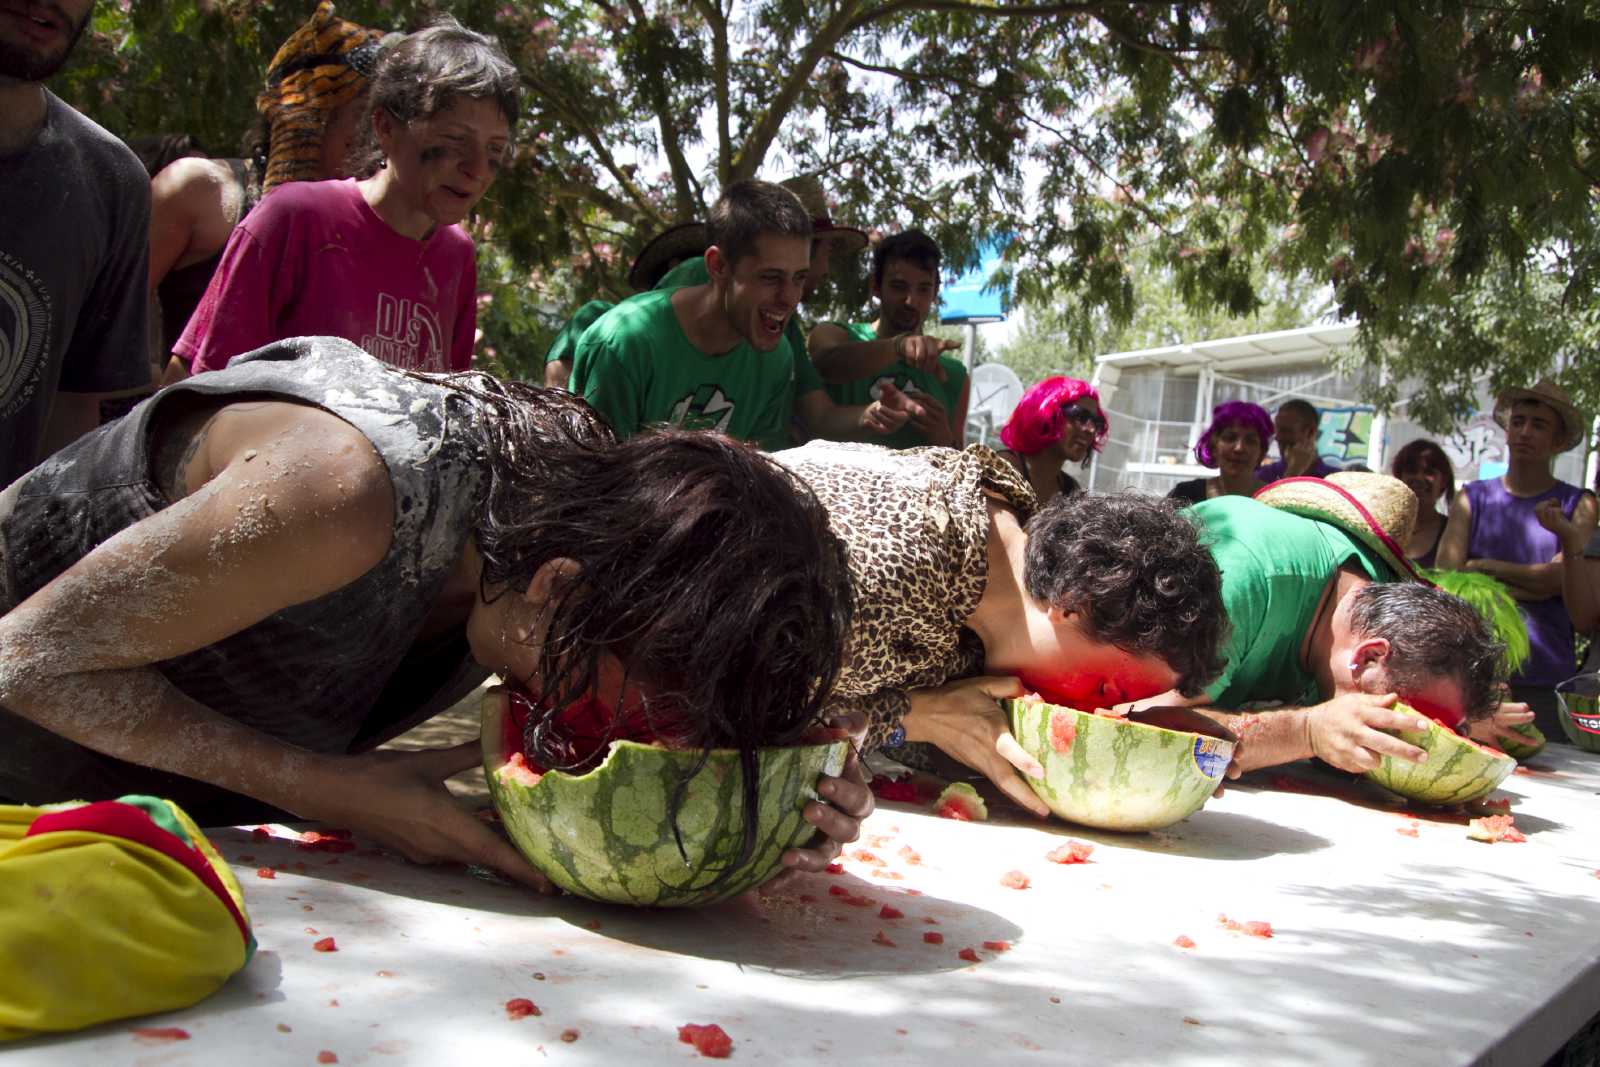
{"points": [[132, 908]]}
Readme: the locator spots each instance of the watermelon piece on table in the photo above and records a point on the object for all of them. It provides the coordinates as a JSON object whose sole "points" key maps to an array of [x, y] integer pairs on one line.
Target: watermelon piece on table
{"points": [[962, 802], [161, 1033], [1183, 941], [1015, 880], [970, 955], [1494, 828], [1256, 928], [327, 1056], [881, 938], [1071, 852], [521, 1008], [997, 946], [903, 790], [890, 912], [708, 1040], [1457, 770], [1117, 774], [934, 937], [325, 945], [910, 855], [610, 834]]}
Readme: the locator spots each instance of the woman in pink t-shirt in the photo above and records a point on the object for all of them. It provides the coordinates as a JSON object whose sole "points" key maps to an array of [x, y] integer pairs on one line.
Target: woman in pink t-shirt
{"points": [[379, 260]]}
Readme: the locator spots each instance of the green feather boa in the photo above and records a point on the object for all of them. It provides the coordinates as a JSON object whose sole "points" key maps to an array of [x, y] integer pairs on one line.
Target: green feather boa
{"points": [[1494, 605]]}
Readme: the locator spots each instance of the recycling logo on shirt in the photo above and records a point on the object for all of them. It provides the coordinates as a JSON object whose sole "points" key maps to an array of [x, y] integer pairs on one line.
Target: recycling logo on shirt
{"points": [[900, 382], [706, 408], [24, 334]]}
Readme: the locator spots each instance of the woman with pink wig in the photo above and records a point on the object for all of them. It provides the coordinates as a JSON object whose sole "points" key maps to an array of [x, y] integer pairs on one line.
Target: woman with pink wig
{"points": [[1234, 445], [1057, 420]]}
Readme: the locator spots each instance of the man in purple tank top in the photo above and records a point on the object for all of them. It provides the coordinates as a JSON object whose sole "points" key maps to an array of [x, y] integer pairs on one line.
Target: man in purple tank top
{"points": [[1494, 528]]}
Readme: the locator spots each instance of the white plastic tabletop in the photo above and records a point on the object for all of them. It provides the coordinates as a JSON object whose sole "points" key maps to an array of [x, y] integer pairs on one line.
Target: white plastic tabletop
{"points": [[1385, 948]]}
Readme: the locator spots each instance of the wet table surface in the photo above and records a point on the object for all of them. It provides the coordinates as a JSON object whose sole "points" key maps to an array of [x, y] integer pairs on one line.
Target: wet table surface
{"points": [[1385, 947]]}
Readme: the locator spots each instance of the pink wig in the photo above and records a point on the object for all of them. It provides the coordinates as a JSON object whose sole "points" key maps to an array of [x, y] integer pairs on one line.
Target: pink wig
{"points": [[1240, 412], [1039, 419]]}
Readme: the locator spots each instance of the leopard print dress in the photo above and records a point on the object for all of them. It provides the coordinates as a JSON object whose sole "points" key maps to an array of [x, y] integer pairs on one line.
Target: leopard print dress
{"points": [[916, 525]]}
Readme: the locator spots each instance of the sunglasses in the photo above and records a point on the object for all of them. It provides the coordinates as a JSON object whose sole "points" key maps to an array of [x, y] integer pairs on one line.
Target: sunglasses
{"points": [[1085, 417]]}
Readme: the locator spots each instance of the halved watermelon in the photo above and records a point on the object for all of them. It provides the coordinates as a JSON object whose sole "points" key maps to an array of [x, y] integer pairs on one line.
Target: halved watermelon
{"points": [[1578, 702], [1523, 750], [608, 834], [1458, 769], [1117, 774]]}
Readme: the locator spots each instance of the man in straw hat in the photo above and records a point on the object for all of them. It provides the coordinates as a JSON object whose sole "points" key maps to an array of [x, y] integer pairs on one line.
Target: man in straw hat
{"points": [[72, 248], [1331, 620], [1510, 528], [859, 359], [714, 355]]}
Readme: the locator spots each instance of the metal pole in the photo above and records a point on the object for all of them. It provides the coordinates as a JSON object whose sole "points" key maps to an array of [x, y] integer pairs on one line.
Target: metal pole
{"points": [[969, 345]]}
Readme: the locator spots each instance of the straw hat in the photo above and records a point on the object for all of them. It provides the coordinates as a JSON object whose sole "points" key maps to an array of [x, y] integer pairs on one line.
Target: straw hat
{"points": [[808, 190], [683, 241], [1551, 396], [1375, 509]]}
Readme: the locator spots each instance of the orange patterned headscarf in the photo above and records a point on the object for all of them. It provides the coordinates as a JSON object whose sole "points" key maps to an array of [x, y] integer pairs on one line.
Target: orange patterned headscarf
{"points": [[323, 65]]}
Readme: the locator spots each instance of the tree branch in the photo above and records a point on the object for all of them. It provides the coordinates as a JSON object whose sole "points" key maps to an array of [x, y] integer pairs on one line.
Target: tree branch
{"points": [[759, 140], [592, 137], [718, 25]]}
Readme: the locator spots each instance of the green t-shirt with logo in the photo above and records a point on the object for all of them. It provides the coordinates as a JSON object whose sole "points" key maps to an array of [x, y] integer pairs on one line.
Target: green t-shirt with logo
{"points": [[908, 380], [565, 346], [1274, 566], [694, 272], [637, 368]]}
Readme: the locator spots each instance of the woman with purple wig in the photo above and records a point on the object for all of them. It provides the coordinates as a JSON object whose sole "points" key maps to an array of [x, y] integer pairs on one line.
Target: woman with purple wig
{"points": [[1058, 420], [1233, 445]]}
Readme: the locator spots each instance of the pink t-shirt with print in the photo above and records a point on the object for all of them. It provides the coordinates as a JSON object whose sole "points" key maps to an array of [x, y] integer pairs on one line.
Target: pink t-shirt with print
{"points": [[314, 259]]}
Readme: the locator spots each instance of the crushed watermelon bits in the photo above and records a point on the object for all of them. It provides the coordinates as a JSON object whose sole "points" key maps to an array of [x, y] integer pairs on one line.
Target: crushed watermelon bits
{"points": [[325, 945], [890, 912], [521, 1008], [162, 1033], [709, 1039], [1183, 941], [569, 1036], [970, 955], [1494, 828], [1071, 852], [881, 938], [997, 946], [934, 937], [1015, 880], [327, 1056]]}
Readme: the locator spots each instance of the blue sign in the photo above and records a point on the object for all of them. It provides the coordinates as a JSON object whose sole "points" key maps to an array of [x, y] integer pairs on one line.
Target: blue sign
{"points": [[968, 297]]}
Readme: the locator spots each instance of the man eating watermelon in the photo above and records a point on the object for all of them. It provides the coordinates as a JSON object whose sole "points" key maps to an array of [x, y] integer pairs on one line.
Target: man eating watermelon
{"points": [[233, 595], [1331, 621]]}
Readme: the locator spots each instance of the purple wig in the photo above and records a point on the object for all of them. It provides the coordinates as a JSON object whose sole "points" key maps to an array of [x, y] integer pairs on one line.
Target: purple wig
{"points": [[1234, 412], [1038, 420]]}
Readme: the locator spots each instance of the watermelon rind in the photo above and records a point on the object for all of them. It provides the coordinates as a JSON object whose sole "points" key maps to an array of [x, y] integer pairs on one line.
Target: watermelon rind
{"points": [[964, 796], [608, 835], [1524, 750], [1119, 775], [1456, 770]]}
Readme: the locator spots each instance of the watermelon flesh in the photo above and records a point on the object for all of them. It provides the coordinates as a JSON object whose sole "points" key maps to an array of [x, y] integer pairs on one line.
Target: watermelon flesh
{"points": [[1457, 769], [608, 834], [1117, 774]]}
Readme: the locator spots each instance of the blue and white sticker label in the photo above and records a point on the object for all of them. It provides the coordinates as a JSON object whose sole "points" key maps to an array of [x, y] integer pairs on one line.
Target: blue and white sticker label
{"points": [[1211, 755]]}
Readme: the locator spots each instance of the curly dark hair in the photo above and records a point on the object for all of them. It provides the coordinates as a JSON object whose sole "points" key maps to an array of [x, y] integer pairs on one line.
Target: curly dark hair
{"points": [[707, 569], [1135, 570], [1432, 634]]}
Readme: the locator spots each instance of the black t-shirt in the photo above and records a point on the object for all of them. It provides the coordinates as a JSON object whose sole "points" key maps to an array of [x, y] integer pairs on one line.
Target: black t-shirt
{"points": [[74, 266]]}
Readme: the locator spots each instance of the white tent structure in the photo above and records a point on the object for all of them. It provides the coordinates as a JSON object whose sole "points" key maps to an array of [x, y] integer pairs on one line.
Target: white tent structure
{"points": [[1159, 401]]}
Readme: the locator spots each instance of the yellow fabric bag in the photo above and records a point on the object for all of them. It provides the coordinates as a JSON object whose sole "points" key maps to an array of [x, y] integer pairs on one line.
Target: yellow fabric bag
{"points": [[110, 910]]}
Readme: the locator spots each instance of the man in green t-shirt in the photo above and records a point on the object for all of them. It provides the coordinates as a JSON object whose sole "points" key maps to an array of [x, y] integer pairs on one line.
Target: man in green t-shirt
{"points": [[712, 355], [1322, 624], [860, 360], [558, 360]]}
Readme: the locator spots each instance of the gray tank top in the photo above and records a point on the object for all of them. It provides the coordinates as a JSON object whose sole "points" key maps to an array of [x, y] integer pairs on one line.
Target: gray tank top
{"points": [[310, 674]]}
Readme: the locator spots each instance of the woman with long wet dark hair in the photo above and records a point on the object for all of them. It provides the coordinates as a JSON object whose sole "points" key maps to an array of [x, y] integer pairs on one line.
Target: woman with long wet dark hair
{"points": [[280, 566]]}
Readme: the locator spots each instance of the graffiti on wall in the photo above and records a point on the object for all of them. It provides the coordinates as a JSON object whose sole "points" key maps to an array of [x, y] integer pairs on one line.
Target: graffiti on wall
{"points": [[1344, 436]]}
